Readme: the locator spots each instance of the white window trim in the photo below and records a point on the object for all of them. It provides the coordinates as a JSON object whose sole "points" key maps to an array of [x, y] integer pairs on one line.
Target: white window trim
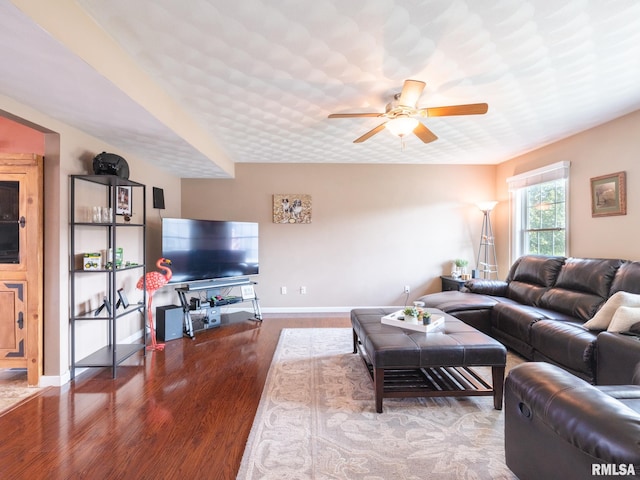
{"points": [[555, 171]]}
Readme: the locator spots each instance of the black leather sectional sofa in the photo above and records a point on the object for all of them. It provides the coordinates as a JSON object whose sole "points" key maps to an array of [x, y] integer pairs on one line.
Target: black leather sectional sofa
{"points": [[559, 426], [540, 309]]}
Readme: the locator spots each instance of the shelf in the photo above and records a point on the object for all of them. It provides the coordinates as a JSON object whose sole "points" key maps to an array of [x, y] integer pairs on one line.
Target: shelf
{"points": [[104, 356], [89, 316], [108, 180], [212, 288], [104, 270], [227, 301], [107, 224], [80, 290]]}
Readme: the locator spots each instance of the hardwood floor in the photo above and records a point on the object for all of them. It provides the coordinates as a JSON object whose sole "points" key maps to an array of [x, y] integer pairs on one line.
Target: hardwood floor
{"points": [[182, 413]]}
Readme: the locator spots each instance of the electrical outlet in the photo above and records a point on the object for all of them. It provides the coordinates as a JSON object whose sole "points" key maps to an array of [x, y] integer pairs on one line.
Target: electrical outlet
{"points": [[407, 289], [303, 290], [283, 290]]}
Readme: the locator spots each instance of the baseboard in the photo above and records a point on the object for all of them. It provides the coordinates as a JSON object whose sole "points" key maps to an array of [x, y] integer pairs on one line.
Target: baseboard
{"points": [[55, 380]]}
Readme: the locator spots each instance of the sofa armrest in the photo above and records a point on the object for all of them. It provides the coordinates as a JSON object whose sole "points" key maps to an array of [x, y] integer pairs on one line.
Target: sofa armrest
{"points": [[617, 357], [496, 288], [621, 392], [592, 422]]}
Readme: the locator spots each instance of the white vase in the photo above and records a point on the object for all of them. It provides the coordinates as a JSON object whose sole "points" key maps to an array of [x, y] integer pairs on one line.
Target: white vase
{"points": [[410, 319]]}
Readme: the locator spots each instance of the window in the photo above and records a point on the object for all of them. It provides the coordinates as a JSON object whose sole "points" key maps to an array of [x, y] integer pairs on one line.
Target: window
{"points": [[539, 213]]}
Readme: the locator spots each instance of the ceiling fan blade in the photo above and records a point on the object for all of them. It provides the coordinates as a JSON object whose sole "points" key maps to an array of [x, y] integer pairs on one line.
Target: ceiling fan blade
{"points": [[370, 133], [470, 109], [352, 115], [424, 134], [411, 91]]}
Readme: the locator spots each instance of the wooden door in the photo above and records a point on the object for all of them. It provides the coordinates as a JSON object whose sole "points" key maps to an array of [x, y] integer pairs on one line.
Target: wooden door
{"points": [[21, 263]]}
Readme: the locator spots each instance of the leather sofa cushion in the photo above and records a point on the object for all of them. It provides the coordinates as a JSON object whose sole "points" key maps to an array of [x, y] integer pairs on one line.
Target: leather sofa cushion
{"points": [[581, 306], [582, 287], [453, 301], [525, 293], [588, 275], [566, 343], [627, 278], [531, 277], [538, 270], [484, 286], [515, 320]]}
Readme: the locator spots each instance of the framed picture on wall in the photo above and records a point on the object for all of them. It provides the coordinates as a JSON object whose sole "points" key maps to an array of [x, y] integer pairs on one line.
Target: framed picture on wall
{"points": [[123, 200], [291, 208], [609, 195]]}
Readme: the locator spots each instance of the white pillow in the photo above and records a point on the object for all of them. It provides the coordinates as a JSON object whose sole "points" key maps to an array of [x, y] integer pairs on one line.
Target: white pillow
{"points": [[624, 318], [603, 317]]}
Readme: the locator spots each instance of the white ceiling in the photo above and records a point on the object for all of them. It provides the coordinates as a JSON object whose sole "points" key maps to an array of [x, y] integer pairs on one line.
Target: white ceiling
{"points": [[259, 77]]}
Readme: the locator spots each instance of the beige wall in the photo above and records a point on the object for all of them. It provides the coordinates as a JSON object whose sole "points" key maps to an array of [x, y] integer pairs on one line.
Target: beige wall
{"points": [[357, 250], [606, 149], [375, 228], [69, 151]]}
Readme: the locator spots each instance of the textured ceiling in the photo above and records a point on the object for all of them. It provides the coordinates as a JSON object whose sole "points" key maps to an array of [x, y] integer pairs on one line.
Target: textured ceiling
{"points": [[260, 77]]}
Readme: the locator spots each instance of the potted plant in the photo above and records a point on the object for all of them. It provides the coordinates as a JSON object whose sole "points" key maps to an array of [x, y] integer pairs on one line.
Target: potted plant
{"points": [[461, 265], [412, 314]]}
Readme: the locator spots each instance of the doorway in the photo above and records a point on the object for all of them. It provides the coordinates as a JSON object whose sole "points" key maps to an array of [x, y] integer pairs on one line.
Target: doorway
{"points": [[21, 263]]}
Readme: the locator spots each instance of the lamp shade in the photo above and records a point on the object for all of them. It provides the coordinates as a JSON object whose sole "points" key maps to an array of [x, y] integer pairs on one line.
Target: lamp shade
{"points": [[401, 125], [487, 206]]}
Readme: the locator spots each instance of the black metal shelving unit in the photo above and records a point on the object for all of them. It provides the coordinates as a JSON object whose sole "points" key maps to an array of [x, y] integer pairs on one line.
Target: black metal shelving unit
{"points": [[113, 353]]}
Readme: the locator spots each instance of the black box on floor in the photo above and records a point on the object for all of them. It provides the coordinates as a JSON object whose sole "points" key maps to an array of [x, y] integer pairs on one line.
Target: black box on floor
{"points": [[169, 320]]}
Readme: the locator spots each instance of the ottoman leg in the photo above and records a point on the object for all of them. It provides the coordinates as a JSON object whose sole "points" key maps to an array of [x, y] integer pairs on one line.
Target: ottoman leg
{"points": [[378, 385], [497, 374], [355, 341]]}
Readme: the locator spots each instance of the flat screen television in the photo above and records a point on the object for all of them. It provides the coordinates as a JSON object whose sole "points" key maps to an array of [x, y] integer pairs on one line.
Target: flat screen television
{"points": [[209, 249]]}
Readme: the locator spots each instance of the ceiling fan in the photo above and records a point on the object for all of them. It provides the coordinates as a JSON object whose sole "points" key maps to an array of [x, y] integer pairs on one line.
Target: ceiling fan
{"points": [[401, 113]]}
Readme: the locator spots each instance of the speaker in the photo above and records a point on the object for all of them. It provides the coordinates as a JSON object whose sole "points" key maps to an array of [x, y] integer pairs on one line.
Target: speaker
{"points": [[169, 320], [158, 198]]}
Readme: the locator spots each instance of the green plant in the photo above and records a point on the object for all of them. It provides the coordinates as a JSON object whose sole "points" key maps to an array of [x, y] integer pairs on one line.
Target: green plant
{"points": [[460, 262], [413, 312]]}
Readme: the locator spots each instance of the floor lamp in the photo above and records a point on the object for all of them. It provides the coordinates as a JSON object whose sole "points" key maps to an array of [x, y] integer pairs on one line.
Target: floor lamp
{"points": [[486, 263]]}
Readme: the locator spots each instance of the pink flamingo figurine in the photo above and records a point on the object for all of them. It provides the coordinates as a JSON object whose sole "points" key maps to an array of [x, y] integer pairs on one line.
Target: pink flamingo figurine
{"points": [[155, 281]]}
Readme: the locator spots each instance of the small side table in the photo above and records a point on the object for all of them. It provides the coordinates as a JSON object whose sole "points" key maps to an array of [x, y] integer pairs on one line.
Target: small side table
{"points": [[451, 283]]}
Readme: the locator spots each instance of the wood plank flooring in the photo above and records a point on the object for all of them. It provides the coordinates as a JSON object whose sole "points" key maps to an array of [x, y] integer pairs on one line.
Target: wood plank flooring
{"points": [[183, 413]]}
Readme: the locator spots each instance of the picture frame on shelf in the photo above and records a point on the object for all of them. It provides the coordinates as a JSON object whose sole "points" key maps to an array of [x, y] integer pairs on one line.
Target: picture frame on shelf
{"points": [[123, 200], [247, 292], [609, 195], [122, 299]]}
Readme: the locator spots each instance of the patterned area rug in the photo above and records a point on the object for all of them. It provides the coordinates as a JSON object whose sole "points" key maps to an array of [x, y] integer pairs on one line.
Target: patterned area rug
{"points": [[317, 420], [14, 389]]}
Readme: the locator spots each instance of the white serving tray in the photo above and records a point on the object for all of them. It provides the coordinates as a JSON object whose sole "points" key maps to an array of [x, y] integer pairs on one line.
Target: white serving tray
{"points": [[393, 319]]}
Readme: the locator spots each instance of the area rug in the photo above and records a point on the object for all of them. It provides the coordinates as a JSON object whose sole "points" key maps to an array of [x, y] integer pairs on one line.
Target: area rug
{"points": [[14, 390], [317, 420]]}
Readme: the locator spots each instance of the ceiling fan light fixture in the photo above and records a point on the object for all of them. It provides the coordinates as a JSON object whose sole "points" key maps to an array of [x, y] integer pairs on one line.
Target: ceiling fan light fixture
{"points": [[402, 125]]}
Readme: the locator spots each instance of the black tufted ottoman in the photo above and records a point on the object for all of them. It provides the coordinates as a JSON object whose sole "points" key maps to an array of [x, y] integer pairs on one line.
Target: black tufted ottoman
{"points": [[406, 363]]}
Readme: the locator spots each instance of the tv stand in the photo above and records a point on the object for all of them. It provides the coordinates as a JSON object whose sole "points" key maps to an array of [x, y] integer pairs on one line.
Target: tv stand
{"points": [[202, 301]]}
